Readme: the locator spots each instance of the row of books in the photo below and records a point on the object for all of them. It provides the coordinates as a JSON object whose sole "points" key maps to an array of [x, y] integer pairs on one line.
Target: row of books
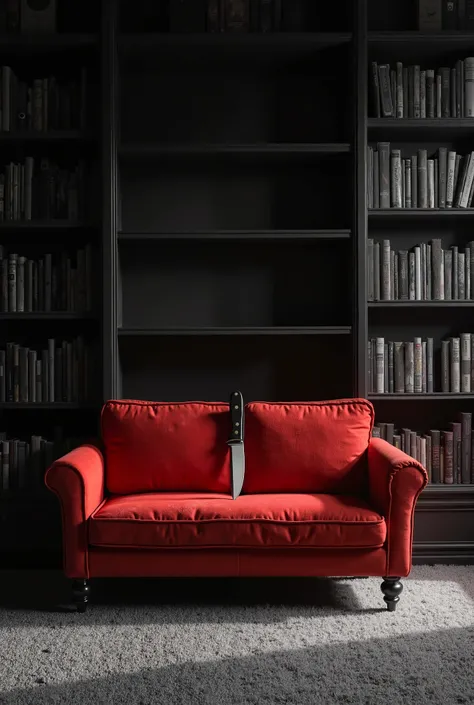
{"points": [[41, 189], [59, 372], [414, 92], [444, 180], [408, 367], [23, 463], [439, 15], [427, 272], [448, 456], [236, 15], [41, 104], [51, 283]]}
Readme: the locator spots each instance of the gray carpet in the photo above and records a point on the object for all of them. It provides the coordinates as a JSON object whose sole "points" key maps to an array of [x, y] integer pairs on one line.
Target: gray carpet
{"points": [[235, 641]]}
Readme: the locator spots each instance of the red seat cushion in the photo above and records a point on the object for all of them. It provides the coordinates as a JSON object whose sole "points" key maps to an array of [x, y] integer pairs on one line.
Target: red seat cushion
{"points": [[157, 446], [307, 447], [178, 520]]}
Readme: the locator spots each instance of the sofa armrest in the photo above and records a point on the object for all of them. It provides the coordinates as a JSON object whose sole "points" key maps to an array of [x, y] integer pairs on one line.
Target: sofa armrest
{"points": [[78, 481], [395, 481]]}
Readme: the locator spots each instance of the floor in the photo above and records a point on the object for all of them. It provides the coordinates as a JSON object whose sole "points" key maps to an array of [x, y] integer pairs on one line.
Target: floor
{"points": [[297, 641]]}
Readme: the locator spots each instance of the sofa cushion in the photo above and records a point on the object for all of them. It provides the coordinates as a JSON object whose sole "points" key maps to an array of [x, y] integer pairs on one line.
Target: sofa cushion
{"points": [[307, 447], [200, 520], [156, 446]]}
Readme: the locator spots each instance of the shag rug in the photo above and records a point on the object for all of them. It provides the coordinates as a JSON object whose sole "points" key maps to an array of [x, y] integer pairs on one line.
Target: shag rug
{"points": [[232, 642]]}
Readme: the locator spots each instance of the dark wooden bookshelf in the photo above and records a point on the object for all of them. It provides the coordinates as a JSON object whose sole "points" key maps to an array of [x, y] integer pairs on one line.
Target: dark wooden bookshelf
{"points": [[231, 222], [30, 518]]}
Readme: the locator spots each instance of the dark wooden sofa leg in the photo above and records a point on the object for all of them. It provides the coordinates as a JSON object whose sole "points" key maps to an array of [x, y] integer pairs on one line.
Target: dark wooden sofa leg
{"points": [[391, 588], [80, 594]]}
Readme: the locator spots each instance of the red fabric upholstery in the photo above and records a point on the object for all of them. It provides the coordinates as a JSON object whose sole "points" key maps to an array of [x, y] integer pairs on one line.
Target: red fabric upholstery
{"points": [[307, 447], [395, 480], [177, 520], [123, 562], [153, 446], [78, 480]]}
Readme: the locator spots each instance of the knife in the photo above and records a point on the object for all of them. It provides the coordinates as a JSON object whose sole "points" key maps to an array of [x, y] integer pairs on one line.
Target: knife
{"points": [[236, 442]]}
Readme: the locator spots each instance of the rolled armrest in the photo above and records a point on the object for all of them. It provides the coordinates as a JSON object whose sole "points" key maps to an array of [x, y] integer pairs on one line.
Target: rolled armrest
{"points": [[395, 481], [78, 481]]}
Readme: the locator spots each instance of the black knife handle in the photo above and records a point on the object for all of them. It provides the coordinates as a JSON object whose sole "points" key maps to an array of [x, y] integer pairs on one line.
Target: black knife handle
{"points": [[237, 417]]}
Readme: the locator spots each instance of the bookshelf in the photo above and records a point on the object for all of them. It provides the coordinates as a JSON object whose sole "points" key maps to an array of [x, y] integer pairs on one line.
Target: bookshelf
{"points": [[443, 524], [230, 223], [41, 418]]}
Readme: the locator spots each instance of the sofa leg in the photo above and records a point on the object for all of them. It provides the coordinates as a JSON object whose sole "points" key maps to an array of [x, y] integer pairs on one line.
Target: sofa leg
{"points": [[391, 588], [80, 594]]}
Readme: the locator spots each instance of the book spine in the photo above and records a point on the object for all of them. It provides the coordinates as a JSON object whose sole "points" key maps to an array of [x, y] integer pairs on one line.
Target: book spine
{"points": [[466, 424], [377, 286], [455, 365], [375, 90], [429, 16], [430, 93], [379, 365], [396, 178], [465, 363], [409, 367], [436, 268], [423, 94], [435, 455], [399, 93], [447, 443], [422, 178], [385, 90], [448, 269], [386, 292], [443, 161], [417, 366], [469, 87], [461, 277], [384, 174], [445, 366], [399, 363]]}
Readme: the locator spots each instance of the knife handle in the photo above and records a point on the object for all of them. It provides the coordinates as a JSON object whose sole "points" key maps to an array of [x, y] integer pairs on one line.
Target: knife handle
{"points": [[237, 417]]}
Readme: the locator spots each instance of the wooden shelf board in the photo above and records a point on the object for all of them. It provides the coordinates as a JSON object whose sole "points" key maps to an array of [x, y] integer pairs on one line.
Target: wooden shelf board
{"points": [[421, 123], [34, 43], [45, 316], [420, 212], [289, 330], [422, 38], [237, 235], [60, 405], [137, 150], [42, 224], [49, 136], [420, 304], [437, 396], [275, 42]]}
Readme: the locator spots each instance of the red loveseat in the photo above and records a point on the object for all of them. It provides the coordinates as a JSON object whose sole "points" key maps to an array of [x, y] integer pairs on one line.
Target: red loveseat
{"points": [[321, 497]]}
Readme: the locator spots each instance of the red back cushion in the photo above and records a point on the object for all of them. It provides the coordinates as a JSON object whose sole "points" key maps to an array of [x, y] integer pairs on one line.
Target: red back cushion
{"points": [[307, 446], [153, 446]]}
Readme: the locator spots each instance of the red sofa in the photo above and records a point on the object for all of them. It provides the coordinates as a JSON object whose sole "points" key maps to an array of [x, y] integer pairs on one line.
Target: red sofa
{"points": [[321, 497]]}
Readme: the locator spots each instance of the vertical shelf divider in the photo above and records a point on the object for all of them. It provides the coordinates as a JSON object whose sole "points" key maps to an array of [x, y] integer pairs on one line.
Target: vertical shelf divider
{"points": [[360, 312], [109, 61]]}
